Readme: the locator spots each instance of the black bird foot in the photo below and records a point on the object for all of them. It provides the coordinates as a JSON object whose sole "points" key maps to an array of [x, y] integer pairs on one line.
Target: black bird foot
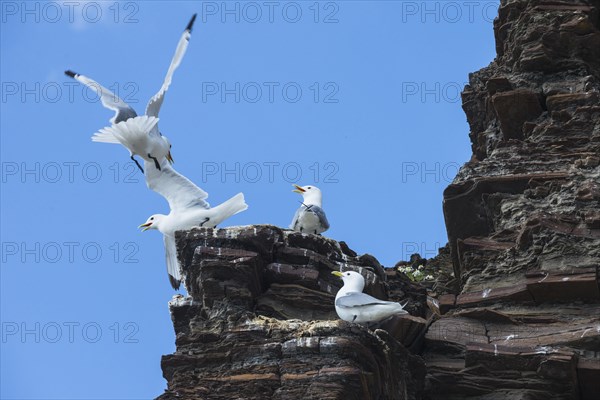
{"points": [[156, 163], [137, 163], [205, 221]]}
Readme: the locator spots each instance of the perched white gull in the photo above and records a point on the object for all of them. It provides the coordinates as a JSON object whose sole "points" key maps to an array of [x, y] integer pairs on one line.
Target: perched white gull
{"points": [[310, 217], [188, 209], [139, 134], [352, 305]]}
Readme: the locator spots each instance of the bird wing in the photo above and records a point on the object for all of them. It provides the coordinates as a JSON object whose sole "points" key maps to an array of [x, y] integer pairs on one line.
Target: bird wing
{"points": [[172, 264], [318, 211], [356, 299], [109, 100], [156, 101], [180, 192], [296, 218]]}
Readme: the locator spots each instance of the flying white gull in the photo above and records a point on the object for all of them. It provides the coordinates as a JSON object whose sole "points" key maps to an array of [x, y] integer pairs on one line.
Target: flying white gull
{"points": [[310, 217], [352, 305], [139, 134], [189, 208]]}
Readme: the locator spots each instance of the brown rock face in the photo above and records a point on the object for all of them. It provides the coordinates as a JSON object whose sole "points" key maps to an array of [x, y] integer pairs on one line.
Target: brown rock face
{"points": [[260, 322], [517, 314], [523, 216]]}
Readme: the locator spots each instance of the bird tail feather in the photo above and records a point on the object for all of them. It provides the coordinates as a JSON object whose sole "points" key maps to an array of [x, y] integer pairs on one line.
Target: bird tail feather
{"points": [[230, 207], [125, 130]]}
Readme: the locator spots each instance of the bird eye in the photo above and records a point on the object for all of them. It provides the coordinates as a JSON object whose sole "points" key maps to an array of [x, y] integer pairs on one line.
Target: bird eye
{"points": [[309, 187], [152, 219], [170, 146]]}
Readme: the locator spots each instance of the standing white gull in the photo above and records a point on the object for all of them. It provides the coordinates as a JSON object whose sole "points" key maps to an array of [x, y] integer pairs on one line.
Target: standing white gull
{"points": [[139, 134], [352, 305], [188, 209], [310, 217]]}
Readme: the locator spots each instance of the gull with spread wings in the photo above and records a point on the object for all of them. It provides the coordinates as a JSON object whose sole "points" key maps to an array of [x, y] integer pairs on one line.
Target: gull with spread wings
{"points": [[139, 134], [189, 209]]}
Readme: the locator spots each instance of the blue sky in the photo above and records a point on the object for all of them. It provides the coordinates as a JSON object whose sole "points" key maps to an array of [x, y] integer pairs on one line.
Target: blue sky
{"points": [[360, 98]]}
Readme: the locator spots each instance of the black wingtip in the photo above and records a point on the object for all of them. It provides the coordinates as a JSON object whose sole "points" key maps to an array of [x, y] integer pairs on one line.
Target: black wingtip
{"points": [[70, 73], [191, 23], [174, 282]]}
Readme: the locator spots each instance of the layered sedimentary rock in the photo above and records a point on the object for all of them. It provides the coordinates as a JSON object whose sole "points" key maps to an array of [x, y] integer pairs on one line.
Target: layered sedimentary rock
{"points": [[515, 312], [260, 322], [523, 216]]}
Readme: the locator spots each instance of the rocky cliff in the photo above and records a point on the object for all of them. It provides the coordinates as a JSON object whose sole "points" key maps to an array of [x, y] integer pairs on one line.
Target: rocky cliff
{"points": [[260, 323], [515, 312], [523, 216]]}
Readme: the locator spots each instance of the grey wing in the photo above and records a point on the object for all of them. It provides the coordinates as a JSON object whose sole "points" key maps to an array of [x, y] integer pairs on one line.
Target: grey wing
{"points": [[172, 264], [318, 211], [356, 299], [156, 101], [109, 100], [296, 218], [180, 192]]}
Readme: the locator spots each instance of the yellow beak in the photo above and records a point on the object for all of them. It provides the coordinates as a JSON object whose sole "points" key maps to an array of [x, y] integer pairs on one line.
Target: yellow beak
{"points": [[146, 226], [169, 157], [337, 273], [298, 189]]}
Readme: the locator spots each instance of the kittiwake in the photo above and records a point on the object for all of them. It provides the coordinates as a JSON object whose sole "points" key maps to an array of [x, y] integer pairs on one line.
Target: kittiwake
{"points": [[310, 217], [189, 209], [352, 305], [139, 134]]}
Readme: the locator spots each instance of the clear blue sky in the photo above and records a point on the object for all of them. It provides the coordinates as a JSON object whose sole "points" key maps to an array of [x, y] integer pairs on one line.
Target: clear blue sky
{"points": [[360, 98]]}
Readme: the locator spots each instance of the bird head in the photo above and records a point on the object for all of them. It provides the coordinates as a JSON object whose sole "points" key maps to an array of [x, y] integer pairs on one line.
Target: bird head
{"points": [[151, 223], [169, 145], [311, 194], [353, 280]]}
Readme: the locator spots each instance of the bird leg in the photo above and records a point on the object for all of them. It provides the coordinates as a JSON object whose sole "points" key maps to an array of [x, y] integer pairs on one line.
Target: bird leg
{"points": [[156, 163], [137, 163]]}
